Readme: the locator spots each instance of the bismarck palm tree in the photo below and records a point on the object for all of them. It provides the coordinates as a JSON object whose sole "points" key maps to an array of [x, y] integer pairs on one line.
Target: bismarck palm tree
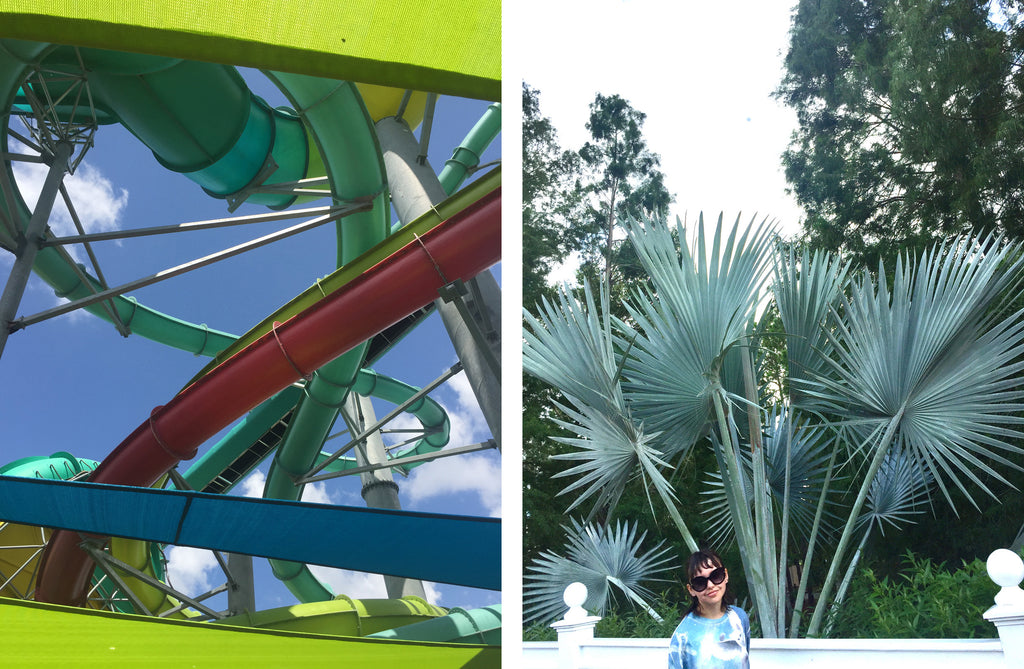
{"points": [[927, 367]]}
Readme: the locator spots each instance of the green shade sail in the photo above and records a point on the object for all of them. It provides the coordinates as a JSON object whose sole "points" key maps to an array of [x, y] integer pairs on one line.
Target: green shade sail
{"points": [[451, 47], [46, 635]]}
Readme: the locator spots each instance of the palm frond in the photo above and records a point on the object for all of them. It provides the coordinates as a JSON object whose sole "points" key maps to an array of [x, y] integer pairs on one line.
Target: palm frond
{"points": [[930, 353], [897, 493], [610, 452], [598, 557], [700, 308], [809, 464], [806, 291]]}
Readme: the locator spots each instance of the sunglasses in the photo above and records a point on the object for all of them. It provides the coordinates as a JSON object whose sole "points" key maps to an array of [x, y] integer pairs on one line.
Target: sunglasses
{"points": [[700, 583]]}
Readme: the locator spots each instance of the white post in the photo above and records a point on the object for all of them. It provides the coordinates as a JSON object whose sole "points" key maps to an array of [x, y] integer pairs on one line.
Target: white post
{"points": [[1006, 569], [575, 628]]}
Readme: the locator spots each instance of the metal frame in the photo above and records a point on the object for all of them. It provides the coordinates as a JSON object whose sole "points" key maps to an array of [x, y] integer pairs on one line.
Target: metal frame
{"points": [[398, 462], [336, 213], [355, 441], [34, 558], [110, 566]]}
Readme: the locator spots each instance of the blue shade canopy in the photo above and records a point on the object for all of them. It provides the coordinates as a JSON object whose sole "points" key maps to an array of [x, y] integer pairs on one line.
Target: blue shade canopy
{"points": [[458, 550]]}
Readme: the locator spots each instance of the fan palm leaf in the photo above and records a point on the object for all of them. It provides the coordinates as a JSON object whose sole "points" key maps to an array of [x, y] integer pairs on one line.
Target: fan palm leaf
{"points": [[806, 290], [600, 558], [701, 309], [933, 367], [809, 457], [573, 349]]}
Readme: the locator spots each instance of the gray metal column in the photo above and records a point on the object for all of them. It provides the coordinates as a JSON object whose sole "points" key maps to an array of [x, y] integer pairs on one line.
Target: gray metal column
{"points": [[379, 488], [242, 592], [26, 256], [414, 190]]}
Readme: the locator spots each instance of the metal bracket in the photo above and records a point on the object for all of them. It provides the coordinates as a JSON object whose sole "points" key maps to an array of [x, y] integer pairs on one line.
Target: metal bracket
{"points": [[475, 318]]}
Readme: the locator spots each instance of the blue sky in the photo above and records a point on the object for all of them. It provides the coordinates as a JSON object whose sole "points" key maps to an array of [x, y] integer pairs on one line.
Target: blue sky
{"points": [[74, 384]]}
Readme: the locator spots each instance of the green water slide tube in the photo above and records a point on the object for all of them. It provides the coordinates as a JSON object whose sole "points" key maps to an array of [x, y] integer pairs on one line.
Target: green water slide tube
{"points": [[201, 120], [143, 556], [342, 616], [481, 625], [356, 168]]}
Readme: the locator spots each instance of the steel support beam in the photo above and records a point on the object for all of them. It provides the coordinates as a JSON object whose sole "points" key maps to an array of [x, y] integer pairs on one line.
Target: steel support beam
{"points": [[30, 243], [183, 268], [412, 459], [414, 190]]}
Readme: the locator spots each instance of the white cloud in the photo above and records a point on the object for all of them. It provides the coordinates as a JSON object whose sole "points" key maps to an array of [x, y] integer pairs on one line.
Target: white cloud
{"points": [[97, 202], [361, 585], [190, 569], [355, 584], [317, 493], [252, 485], [468, 423], [469, 473], [473, 473], [710, 114]]}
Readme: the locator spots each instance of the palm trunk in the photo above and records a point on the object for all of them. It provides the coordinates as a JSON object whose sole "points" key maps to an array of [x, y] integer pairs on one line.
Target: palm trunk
{"points": [[746, 537], [794, 625], [833, 571]]}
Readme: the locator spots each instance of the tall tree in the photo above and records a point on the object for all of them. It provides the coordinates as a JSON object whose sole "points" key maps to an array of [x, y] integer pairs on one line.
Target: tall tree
{"points": [[626, 178], [909, 121], [551, 198], [552, 209]]}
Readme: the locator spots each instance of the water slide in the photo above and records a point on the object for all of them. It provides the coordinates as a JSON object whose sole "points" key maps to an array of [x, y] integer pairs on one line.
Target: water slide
{"points": [[219, 175], [398, 284]]}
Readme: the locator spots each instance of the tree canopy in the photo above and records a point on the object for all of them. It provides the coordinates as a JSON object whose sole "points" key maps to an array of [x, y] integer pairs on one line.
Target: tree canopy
{"points": [[909, 121]]}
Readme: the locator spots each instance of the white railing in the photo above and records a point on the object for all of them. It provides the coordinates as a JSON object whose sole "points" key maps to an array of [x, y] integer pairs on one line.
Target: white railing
{"points": [[577, 648]]}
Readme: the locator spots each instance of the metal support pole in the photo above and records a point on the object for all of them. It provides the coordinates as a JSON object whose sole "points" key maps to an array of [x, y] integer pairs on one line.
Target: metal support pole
{"points": [[29, 246], [241, 588], [414, 190], [379, 488]]}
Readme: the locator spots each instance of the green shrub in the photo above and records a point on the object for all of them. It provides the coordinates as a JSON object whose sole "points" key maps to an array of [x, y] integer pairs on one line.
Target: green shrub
{"points": [[623, 621], [926, 601]]}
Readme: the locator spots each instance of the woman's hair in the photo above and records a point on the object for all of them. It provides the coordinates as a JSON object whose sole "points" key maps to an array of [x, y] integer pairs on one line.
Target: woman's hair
{"points": [[703, 559]]}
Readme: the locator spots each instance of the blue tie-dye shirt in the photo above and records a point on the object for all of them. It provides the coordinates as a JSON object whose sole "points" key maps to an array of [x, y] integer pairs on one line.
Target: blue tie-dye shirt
{"points": [[701, 643]]}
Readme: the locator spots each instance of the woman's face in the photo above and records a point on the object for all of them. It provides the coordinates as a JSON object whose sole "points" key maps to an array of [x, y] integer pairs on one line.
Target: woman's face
{"points": [[709, 599]]}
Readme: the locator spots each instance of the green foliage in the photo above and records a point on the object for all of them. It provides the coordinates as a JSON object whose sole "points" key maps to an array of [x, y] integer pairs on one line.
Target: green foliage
{"points": [[624, 173], [926, 600], [909, 125], [551, 198], [625, 622]]}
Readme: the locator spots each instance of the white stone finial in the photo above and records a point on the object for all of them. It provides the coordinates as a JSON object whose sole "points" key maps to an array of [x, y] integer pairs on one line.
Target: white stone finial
{"points": [[574, 596], [1006, 570]]}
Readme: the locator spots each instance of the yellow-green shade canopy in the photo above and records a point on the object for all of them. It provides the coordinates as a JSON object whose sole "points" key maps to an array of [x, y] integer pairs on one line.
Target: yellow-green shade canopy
{"points": [[451, 47], [46, 635]]}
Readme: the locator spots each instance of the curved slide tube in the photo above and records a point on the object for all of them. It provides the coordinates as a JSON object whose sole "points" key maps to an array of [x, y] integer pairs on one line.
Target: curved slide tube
{"points": [[481, 625], [354, 165], [201, 120], [400, 284], [342, 616], [20, 554], [22, 543], [228, 453]]}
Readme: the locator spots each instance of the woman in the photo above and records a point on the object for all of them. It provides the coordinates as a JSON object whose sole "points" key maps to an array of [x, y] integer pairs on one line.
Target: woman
{"points": [[713, 634]]}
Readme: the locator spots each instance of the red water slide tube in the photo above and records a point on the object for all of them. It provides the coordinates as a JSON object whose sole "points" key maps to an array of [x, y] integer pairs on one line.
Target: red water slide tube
{"points": [[407, 280]]}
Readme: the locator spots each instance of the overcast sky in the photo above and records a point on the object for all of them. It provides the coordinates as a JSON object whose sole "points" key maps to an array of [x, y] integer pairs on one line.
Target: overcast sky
{"points": [[703, 73]]}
